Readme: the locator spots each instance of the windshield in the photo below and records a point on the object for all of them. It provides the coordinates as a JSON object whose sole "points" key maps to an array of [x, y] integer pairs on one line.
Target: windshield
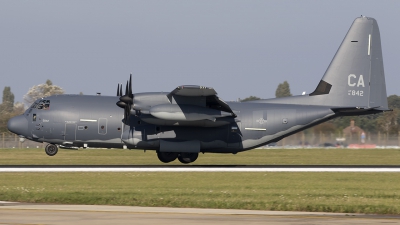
{"points": [[41, 104]]}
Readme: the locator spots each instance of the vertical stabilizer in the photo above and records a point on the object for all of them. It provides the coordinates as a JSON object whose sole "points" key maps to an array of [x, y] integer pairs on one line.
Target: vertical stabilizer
{"points": [[355, 77]]}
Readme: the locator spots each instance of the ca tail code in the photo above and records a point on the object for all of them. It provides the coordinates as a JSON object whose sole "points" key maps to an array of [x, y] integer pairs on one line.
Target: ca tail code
{"points": [[351, 81]]}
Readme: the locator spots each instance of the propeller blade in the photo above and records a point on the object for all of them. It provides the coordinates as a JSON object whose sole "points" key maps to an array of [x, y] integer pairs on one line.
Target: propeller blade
{"points": [[126, 100], [130, 86], [127, 114], [126, 88], [126, 97]]}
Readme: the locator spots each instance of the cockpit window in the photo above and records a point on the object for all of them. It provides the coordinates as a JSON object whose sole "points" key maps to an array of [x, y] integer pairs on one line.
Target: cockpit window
{"points": [[42, 104], [34, 105]]}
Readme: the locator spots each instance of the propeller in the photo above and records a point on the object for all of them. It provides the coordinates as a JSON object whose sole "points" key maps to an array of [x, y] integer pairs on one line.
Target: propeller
{"points": [[119, 90], [126, 101]]}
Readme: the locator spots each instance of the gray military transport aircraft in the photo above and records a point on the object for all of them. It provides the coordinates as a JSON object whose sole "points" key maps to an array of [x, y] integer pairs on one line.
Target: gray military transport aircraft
{"points": [[193, 119]]}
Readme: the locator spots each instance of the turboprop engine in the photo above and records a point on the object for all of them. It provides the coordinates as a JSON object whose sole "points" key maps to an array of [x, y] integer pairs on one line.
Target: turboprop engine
{"points": [[186, 115], [187, 105]]}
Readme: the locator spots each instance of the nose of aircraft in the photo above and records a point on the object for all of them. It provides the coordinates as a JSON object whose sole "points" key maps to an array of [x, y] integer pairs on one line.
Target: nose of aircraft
{"points": [[18, 125]]}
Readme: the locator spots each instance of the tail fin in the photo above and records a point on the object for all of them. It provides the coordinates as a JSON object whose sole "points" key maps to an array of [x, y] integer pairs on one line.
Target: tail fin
{"points": [[355, 77]]}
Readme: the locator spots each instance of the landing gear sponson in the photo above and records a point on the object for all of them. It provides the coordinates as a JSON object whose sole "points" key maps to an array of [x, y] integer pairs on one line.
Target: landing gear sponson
{"points": [[165, 157], [183, 157], [51, 149]]}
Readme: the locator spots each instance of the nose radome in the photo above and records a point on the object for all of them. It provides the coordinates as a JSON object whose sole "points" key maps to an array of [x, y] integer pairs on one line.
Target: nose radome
{"points": [[18, 125]]}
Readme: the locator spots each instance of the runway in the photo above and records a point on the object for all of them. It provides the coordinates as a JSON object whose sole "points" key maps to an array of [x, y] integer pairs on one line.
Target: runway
{"points": [[23, 213], [204, 168]]}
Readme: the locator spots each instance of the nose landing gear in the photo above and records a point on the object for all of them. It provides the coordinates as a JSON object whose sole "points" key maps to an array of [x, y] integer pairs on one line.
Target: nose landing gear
{"points": [[51, 149]]}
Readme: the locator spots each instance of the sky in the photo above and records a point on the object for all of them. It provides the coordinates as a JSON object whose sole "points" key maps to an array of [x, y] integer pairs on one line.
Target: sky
{"points": [[240, 48]]}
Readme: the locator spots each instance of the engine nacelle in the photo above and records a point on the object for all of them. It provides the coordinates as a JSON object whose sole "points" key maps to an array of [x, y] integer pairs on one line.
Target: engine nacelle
{"points": [[186, 112]]}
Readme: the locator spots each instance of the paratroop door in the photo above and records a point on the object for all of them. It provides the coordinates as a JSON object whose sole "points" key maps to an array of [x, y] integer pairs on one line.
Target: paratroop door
{"points": [[70, 132]]}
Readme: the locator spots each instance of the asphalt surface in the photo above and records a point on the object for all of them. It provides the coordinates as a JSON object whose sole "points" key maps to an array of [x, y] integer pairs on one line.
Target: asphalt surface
{"points": [[20, 213]]}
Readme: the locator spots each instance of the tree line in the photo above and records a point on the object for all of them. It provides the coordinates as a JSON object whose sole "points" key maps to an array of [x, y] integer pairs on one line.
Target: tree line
{"points": [[9, 109]]}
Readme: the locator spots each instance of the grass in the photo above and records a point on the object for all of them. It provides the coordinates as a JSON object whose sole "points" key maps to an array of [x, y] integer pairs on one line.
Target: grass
{"points": [[327, 192], [252, 157]]}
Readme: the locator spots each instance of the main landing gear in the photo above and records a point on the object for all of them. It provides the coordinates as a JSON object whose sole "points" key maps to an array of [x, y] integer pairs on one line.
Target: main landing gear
{"points": [[51, 149], [187, 157], [183, 157]]}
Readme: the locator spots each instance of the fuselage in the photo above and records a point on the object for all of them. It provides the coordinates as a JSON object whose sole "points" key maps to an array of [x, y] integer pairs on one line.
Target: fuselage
{"points": [[95, 121]]}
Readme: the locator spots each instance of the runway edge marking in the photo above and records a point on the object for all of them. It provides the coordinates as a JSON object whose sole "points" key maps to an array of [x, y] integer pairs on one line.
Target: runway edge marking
{"points": [[99, 169]]}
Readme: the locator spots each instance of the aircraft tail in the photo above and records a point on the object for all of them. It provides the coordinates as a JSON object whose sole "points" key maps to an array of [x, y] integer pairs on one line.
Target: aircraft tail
{"points": [[355, 77]]}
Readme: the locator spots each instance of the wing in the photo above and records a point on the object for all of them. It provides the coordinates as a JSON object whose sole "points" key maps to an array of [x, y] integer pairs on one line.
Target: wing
{"points": [[199, 95], [193, 91]]}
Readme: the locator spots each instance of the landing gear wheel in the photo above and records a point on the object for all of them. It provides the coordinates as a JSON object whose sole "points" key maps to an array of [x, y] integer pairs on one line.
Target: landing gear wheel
{"points": [[167, 157], [51, 149], [187, 157]]}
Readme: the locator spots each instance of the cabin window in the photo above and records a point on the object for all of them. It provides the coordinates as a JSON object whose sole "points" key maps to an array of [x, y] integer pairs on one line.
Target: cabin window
{"points": [[34, 117], [86, 127]]}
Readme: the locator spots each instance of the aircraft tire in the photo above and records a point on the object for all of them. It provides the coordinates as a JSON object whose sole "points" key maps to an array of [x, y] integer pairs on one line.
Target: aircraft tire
{"points": [[167, 157], [187, 157], [51, 149]]}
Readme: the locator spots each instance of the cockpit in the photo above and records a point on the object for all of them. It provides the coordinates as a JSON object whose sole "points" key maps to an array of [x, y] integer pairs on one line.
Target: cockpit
{"points": [[42, 104]]}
